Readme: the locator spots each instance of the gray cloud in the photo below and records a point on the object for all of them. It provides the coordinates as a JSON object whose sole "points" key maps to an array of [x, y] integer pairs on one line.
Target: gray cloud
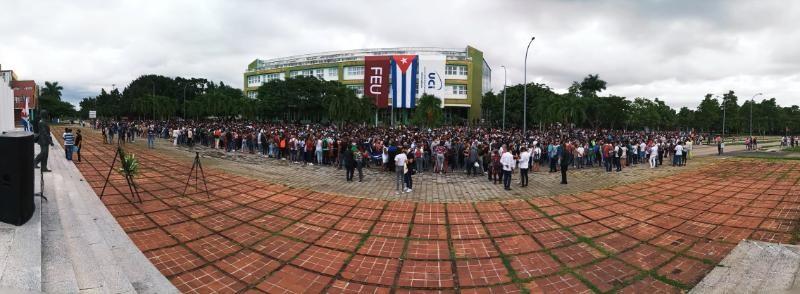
{"points": [[674, 50]]}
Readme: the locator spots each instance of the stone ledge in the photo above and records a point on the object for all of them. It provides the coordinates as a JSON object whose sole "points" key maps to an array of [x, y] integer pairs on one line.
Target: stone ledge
{"points": [[755, 267]]}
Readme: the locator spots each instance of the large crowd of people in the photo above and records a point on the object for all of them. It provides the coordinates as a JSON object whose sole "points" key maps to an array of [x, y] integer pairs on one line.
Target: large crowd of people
{"points": [[490, 152]]}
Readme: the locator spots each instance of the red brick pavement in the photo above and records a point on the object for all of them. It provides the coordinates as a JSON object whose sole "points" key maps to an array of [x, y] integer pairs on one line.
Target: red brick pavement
{"points": [[659, 235]]}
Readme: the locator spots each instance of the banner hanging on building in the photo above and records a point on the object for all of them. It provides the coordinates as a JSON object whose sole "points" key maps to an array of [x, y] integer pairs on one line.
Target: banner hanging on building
{"points": [[404, 80], [376, 79], [431, 76]]}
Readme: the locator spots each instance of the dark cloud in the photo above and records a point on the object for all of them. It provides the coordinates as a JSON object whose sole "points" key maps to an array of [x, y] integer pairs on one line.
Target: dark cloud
{"points": [[675, 50]]}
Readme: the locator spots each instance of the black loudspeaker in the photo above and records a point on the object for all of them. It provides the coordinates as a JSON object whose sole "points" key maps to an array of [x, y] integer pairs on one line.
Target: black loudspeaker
{"points": [[16, 177]]}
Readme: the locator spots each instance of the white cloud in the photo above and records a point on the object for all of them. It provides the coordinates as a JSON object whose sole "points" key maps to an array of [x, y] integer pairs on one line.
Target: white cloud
{"points": [[674, 50]]}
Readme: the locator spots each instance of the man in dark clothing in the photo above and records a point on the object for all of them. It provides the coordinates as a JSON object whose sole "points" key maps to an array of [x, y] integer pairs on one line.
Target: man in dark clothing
{"points": [[348, 161], [43, 139], [566, 160], [358, 155], [78, 144]]}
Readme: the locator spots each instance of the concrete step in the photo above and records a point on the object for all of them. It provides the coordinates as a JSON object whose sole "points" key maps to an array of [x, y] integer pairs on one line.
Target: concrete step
{"points": [[58, 275], [94, 265], [106, 260]]}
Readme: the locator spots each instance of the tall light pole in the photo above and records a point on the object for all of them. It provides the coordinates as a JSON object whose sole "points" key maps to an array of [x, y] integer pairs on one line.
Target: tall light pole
{"points": [[723, 118], [752, 101], [184, 98], [154, 98], [525, 92], [505, 79]]}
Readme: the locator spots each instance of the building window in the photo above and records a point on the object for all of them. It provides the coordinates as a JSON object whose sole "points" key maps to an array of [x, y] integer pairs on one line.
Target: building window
{"points": [[271, 77], [459, 90], [332, 74], [319, 73], [305, 73], [455, 70], [355, 70], [358, 89], [252, 94], [254, 81]]}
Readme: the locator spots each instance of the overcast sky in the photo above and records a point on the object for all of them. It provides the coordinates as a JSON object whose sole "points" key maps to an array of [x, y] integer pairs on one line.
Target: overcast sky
{"points": [[674, 50]]}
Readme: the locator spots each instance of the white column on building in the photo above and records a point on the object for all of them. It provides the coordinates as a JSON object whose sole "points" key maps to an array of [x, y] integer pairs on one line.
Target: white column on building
{"points": [[6, 104]]}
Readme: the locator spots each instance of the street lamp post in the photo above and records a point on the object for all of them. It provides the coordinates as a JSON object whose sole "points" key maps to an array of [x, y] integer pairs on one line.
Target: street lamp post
{"points": [[184, 99], [525, 92], [154, 98], [505, 79], [752, 101], [723, 118]]}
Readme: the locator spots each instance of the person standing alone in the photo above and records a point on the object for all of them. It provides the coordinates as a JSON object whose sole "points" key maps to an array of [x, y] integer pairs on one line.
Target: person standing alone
{"points": [[676, 160], [507, 160], [524, 160], [399, 166], [566, 160], [151, 137], [69, 142], [349, 162], [78, 144]]}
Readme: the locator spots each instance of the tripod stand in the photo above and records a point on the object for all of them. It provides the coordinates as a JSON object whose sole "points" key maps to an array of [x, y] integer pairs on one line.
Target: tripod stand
{"points": [[195, 167], [41, 183], [128, 176], [41, 186]]}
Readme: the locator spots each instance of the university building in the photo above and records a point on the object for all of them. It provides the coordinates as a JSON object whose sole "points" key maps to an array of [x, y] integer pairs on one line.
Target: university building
{"points": [[466, 76]]}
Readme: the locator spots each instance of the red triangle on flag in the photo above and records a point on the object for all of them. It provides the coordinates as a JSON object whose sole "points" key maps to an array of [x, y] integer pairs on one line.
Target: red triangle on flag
{"points": [[403, 61]]}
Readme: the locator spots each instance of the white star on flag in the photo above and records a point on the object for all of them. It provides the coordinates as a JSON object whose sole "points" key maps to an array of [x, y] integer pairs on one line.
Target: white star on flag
{"points": [[403, 60]]}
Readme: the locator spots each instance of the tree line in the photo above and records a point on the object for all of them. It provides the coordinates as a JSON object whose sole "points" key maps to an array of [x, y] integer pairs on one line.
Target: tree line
{"points": [[582, 106], [308, 99]]}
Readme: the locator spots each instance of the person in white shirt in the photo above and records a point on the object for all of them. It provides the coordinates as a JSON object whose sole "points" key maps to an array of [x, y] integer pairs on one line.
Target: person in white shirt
{"points": [[688, 150], [642, 151], [507, 160], [524, 160], [400, 164], [653, 155], [318, 151], [537, 157], [580, 151], [676, 160]]}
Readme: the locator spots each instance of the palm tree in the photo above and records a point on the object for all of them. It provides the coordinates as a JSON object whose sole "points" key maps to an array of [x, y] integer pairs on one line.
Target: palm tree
{"points": [[52, 89], [429, 111], [592, 85], [344, 105]]}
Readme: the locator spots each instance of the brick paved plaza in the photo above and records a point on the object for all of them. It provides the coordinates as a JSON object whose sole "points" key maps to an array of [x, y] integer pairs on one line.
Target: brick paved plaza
{"points": [[655, 235], [428, 187]]}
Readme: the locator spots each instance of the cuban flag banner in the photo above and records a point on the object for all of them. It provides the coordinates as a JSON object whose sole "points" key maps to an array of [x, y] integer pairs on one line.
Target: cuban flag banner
{"points": [[404, 80]]}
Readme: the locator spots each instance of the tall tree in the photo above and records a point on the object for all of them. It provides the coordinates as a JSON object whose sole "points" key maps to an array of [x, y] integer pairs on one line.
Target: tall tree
{"points": [[708, 114], [591, 85], [52, 89], [428, 111]]}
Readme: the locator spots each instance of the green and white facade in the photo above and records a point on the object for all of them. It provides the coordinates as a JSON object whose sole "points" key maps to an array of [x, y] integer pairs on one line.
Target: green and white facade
{"points": [[467, 74]]}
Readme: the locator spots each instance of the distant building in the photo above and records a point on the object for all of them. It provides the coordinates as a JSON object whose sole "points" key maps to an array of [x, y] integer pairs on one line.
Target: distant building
{"points": [[465, 75], [24, 90]]}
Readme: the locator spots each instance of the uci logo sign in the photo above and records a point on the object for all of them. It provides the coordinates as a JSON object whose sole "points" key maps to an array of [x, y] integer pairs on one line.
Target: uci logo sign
{"points": [[434, 81]]}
